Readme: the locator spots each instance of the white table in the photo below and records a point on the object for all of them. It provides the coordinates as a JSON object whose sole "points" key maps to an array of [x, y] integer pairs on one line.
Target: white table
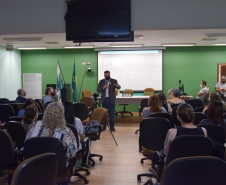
{"points": [[130, 99]]}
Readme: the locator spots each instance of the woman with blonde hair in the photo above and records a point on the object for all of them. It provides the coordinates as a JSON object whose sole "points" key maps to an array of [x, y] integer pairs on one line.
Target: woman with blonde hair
{"points": [[153, 107], [54, 125]]}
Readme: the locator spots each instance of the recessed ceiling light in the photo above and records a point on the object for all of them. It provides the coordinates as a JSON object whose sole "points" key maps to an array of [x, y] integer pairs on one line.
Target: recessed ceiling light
{"points": [[190, 44], [126, 46], [23, 39], [219, 44], [30, 48], [72, 47]]}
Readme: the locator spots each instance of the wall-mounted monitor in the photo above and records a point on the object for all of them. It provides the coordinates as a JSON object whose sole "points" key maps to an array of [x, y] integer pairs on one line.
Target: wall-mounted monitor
{"points": [[98, 21]]}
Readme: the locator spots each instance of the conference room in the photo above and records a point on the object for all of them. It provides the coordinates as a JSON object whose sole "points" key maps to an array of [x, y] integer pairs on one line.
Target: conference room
{"points": [[173, 40]]}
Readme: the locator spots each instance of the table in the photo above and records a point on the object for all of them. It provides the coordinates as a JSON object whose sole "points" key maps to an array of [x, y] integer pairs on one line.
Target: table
{"points": [[130, 99], [185, 97]]}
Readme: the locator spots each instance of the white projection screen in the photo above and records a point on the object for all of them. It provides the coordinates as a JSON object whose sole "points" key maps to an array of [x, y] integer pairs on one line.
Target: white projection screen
{"points": [[134, 70]]}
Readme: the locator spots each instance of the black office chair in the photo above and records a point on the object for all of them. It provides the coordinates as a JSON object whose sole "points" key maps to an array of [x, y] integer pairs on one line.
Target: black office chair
{"points": [[153, 132], [16, 107], [3, 100], [195, 103], [175, 120], [198, 109], [196, 171], [175, 105], [41, 105], [198, 116], [163, 115], [15, 118], [38, 170], [40, 145], [17, 132], [80, 111], [143, 104], [6, 111]]}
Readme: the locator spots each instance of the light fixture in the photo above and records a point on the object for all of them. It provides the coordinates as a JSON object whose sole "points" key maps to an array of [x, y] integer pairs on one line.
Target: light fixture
{"points": [[125, 46], [31, 48], [189, 44], [23, 39], [219, 44], [72, 47]]}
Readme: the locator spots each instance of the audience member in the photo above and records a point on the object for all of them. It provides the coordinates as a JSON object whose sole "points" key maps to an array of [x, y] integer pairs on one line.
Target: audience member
{"points": [[175, 97], [30, 116], [221, 86], [28, 102], [21, 96], [215, 114], [153, 107], [50, 93], [202, 93], [54, 125], [185, 116], [163, 102], [214, 96]]}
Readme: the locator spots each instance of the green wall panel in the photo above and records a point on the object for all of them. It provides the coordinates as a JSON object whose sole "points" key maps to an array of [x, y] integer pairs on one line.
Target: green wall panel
{"points": [[188, 64]]}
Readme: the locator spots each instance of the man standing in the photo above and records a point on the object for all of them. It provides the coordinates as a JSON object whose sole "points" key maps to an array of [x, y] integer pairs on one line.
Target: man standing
{"points": [[21, 96], [107, 88], [202, 93], [49, 95], [221, 86]]}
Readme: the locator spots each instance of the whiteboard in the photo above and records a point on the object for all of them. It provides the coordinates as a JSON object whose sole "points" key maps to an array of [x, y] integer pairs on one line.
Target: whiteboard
{"points": [[32, 84], [134, 70]]}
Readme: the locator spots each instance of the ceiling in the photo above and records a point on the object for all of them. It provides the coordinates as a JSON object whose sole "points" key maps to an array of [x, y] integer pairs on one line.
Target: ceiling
{"points": [[149, 38]]}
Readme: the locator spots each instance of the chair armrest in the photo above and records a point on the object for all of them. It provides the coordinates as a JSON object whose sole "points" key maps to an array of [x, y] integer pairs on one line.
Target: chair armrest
{"points": [[158, 160]]}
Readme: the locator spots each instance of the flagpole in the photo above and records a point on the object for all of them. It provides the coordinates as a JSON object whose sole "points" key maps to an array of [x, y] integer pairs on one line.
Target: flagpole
{"points": [[82, 81], [61, 72]]}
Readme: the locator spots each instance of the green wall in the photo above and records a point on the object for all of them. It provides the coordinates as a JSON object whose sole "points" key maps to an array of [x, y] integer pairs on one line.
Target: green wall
{"points": [[188, 64]]}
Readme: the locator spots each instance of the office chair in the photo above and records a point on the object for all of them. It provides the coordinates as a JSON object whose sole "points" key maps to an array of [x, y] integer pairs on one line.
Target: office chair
{"points": [[81, 112], [17, 132], [3, 100], [41, 105], [175, 105], [38, 170], [195, 103], [206, 99], [149, 91], [143, 104], [198, 109], [196, 171], [86, 93], [16, 107], [88, 101], [6, 111], [163, 115], [15, 118], [198, 116], [175, 120], [126, 91]]}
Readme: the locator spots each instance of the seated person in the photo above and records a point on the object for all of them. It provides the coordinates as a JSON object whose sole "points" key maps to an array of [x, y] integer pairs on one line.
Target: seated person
{"points": [[54, 125], [215, 115], [221, 86], [30, 116], [28, 102], [202, 93], [70, 119], [50, 93], [21, 96], [163, 102], [214, 96], [153, 107], [185, 116], [175, 97]]}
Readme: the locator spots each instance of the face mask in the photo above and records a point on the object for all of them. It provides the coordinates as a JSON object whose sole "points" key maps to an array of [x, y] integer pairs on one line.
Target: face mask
{"points": [[201, 86], [52, 94], [107, 77], [222, 82], [24, 93]]}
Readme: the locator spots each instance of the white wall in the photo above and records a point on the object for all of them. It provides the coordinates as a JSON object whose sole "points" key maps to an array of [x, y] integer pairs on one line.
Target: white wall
{"points": [[10, 73], [47, 16]]}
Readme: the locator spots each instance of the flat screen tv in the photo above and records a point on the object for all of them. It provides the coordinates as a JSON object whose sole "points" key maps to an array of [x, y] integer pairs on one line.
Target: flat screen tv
{"points": [[98, 21]]}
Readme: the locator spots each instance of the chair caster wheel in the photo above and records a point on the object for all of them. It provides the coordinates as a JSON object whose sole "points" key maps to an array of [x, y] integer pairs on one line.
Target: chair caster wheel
{"points": [[141, 161], [93, 164], [86, 182], [87, 173], [100, 159], [138, 178]]}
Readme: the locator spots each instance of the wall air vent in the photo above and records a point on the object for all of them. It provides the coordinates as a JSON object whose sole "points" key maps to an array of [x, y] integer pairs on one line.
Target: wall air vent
{"points": [[215, 34], [23, 39], [209, 39]]}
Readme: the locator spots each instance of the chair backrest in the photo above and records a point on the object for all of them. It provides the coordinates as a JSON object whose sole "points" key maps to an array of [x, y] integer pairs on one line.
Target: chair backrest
{"points": [[86, 93], [128, 91], [17, 132], [74, 130], [7, 153], [188, 146], [40, 145], [206, 99], [153, 132], [215, 132], [196, 171], [37, 170], [143, 104], [3, 100], [175, 105], [175, 120], [116, 92], [15, 118], [80, 111], [99, 114], [198, 116], [6, 111], [41, 105], [149, 91], [16, 107], [195, 103], [198, 109], [163, 115], [87, 101]]}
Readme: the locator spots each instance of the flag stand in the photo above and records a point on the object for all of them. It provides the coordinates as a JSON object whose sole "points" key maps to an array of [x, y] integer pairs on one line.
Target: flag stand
{"points": [[82, 80]]}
